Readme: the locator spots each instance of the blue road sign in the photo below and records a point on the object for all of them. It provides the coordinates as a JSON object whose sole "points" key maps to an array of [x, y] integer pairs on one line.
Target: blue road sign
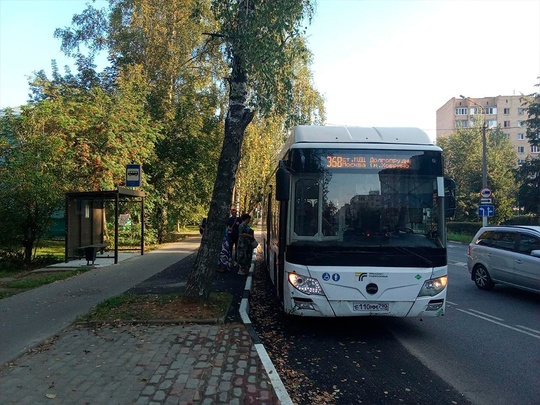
{"points": [[133, 175], [486, 210]]}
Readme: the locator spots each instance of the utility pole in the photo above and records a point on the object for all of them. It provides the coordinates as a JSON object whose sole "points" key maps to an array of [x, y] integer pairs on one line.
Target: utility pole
{"points": [[484, 151], [484, 164]]}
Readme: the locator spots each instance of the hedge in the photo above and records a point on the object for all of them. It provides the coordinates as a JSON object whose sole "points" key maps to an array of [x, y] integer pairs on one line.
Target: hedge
{"points": [[470, 228], [464, 228], [523, 220]]}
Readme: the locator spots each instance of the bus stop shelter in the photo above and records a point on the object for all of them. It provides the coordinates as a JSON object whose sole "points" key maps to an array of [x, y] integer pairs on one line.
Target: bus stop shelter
{"points": [[86, 227]]}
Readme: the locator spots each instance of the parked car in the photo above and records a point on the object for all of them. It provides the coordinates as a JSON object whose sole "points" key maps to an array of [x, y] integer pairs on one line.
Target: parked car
{"points": [[507, 255]]}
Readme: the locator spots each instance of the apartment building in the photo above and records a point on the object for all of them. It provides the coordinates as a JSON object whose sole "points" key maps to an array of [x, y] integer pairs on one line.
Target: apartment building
{"points": [[508, 112]]}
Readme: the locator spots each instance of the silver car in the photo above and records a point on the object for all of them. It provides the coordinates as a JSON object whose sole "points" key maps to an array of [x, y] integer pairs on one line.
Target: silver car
{"points": [[507, 255]]}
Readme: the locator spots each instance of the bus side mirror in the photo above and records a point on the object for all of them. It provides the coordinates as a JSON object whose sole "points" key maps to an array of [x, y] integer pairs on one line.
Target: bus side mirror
{"points": [[283, 182], [450, 197]]}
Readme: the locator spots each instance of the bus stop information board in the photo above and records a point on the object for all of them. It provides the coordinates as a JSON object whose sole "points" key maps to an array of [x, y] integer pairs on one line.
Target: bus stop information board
{"points": [[133, 175]]}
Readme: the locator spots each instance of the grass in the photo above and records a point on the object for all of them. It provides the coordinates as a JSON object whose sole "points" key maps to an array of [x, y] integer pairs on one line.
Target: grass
{"points": [[455, 237], [169, 307], [18, 283], [52, 247]]}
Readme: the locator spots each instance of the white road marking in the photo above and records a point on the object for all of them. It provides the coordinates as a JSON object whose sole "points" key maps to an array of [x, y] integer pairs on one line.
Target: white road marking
{"points": [[529, 329], [488, 315], [499, 323]]}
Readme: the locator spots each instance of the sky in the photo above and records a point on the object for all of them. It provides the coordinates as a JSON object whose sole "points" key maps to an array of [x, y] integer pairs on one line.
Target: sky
{"points": [[377, 63]]}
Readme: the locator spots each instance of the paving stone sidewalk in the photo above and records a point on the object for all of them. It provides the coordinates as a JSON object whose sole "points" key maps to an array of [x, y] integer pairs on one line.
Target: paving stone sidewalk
{"points": [[141, 364], [132, 364]]}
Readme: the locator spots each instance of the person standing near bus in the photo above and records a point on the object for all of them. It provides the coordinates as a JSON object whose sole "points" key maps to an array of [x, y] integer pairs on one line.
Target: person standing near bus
{"points": [[246, 244], [232, 226]]}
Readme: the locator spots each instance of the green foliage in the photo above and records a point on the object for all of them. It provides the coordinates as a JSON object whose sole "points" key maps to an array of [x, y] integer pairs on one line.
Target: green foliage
{"points": [[463, 161], [527, 176], [265, 136], [32, 178], [533, 122], [468, 229], [163, 101], [457, 237], [27, 281], [78, 136], [528, 173], [27, 284], [265, 41], [523, 220]]}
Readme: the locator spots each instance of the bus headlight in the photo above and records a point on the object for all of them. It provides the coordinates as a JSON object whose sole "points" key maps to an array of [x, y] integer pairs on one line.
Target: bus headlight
{"points": [[307, 285], [433, 286]]}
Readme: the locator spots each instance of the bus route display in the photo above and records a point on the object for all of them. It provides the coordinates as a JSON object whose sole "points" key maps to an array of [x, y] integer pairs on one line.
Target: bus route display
{"points": [[365, 161]]}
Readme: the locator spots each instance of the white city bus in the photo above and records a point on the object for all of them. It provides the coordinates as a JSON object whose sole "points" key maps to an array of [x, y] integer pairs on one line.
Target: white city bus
{"points": [[355, 223]]}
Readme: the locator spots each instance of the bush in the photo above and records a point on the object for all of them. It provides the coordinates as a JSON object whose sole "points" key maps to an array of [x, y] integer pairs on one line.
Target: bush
{"points": [[464, 228], [523, 220]]}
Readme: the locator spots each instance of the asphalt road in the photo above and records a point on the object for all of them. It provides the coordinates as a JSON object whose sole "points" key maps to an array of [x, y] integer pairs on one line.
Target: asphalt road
{"points": [[485, 350], [343, 361], [488, 343]]}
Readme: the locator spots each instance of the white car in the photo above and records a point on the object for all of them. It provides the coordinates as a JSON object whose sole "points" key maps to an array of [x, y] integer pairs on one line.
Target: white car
{"points": [[507, 255]]}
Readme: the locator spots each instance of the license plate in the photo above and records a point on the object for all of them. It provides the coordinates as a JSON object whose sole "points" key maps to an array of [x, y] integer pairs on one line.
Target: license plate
{"points": [[371, 306]]}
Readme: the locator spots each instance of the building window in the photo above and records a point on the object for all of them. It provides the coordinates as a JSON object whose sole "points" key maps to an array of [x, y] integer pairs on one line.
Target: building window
{"points": [[492, 123], [473, 111], [535, 149], [521, 137], [491, 110], [521, 111], [520, 124], [520, 161], [462, 124], [461, 111], [507, 124], [521, 149], [506, 111]]}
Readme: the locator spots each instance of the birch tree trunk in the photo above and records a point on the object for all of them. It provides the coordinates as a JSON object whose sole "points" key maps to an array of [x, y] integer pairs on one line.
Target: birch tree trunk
{"points": [[199, 284]]}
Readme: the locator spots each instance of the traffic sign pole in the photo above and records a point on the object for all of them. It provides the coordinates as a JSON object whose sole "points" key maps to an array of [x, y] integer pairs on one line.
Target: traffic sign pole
{"points": [[485, 201]]}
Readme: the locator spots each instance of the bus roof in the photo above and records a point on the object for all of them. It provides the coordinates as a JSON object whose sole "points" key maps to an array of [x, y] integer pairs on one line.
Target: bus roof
{"points": [[343, 134]]}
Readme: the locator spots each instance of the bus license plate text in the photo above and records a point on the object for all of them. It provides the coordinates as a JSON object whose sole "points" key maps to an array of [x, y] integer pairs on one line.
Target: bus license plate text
{"points": [[371, 306]]}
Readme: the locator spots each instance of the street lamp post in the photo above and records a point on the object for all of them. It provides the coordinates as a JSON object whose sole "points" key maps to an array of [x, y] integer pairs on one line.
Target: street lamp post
{"points": [[484, 150]]}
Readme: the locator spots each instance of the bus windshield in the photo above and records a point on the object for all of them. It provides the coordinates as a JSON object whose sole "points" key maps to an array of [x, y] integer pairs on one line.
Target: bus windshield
{"points": [[391, 201]]}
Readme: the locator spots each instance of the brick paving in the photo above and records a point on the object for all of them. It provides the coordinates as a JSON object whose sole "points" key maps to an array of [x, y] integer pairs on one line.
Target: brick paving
{"points": [[142, 365], [129, 364]]}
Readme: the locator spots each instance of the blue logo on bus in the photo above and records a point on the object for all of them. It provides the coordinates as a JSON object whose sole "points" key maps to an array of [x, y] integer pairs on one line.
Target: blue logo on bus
{"points": [[335, 277], [326, 276]]}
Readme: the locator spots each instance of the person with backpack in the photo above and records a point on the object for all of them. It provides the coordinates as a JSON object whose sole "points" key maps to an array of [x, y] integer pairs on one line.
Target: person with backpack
{"points": [[246, 244]]}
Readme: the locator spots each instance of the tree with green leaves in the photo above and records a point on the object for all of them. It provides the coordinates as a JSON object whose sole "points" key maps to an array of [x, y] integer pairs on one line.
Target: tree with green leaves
{"points": [[188, 50], [183, 68], [33, 177], [265, 137], [263, 42], [75, 136], [463, 161], [528, 173]]}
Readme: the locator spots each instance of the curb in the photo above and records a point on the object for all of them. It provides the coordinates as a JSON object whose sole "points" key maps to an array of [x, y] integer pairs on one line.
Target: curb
{"points": [[279, 387]]}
